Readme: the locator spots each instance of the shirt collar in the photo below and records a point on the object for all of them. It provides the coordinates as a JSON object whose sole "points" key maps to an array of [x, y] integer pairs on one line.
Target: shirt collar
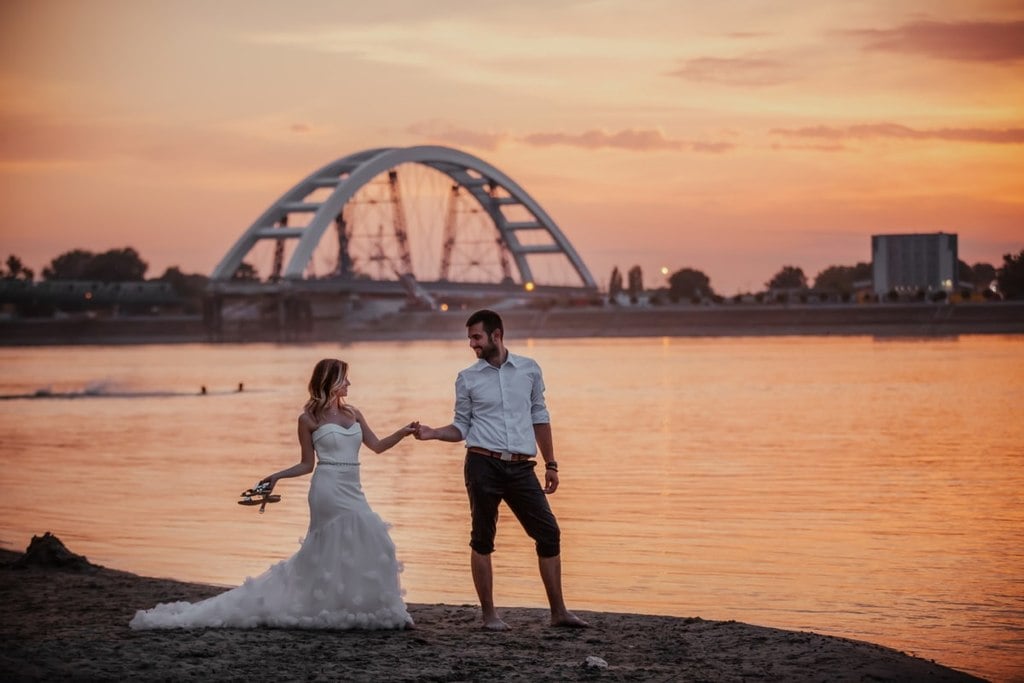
{"points": [[512, 359]]}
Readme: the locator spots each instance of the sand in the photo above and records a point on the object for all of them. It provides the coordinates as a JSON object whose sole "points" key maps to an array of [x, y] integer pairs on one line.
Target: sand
{"points": [[67, 619]]}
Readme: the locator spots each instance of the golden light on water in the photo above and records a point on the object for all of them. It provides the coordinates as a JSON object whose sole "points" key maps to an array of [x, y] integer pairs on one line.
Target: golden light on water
{"points": [[801, 483]]}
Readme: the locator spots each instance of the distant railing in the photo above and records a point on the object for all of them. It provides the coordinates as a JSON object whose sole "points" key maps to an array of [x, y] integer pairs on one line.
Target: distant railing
{"points": [[87, 292]]}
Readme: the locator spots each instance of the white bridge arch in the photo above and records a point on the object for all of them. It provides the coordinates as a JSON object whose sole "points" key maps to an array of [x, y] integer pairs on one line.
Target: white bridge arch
{"points": [[522, 229]]}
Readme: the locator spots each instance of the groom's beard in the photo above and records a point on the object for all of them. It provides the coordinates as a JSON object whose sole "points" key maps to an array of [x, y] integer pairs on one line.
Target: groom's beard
{"points": [[488, 352]]}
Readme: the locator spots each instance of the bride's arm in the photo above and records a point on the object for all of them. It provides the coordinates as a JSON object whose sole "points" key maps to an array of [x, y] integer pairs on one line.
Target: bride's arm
{"points": [[305, 464], [376, 445]]}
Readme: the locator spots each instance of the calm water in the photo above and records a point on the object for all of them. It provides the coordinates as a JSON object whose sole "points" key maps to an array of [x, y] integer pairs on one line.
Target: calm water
{"points": [[866, 488]]}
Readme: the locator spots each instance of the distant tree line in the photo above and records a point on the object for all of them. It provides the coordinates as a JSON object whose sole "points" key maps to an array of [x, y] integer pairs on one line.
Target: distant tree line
{"points": [[686, 284], [113, 265], [690, 284]]}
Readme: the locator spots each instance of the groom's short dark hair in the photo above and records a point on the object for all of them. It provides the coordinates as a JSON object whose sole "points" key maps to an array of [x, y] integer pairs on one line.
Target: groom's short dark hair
{"points": [[490, 319]]}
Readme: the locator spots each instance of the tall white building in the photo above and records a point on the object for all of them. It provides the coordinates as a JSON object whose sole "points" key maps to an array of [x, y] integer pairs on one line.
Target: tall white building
{"points": [[916, 262]]}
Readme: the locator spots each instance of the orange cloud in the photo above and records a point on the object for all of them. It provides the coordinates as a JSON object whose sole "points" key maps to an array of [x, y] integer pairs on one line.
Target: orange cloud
{"points": [[965, 41], [643, 140], [813, 148], [649, 140], [747, 71], [1006, 136]]}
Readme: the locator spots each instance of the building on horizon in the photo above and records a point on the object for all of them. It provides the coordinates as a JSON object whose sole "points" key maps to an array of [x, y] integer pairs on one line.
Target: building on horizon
{"points": [[911, 263]]}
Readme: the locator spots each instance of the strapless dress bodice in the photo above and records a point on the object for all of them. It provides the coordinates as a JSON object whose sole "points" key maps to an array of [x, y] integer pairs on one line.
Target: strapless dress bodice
{"points": [[336, 445]]}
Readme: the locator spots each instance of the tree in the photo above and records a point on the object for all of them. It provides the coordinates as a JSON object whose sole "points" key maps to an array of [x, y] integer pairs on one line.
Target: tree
{"points": [[1011, 276], [835, 279], [842, 278], [863, 272], [16, 270], [189, 287], [984, 274], [116, 265], [68, 266], [790, 277], [636, 283], [689, 283], [615, 285]]}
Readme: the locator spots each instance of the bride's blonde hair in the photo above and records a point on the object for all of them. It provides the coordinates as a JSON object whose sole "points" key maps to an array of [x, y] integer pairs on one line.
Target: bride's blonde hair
{"points": [[327, 377]]}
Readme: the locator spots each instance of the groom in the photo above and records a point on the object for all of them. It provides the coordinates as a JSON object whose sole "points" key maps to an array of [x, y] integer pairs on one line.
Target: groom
{"points": [[500, 412]]}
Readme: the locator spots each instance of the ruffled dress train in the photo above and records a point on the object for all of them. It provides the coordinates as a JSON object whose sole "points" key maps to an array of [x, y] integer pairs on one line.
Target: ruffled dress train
{"points": [[344, 576]]}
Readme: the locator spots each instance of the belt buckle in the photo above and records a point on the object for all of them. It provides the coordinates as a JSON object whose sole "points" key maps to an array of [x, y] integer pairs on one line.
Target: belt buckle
{"points": [[506, 456]]}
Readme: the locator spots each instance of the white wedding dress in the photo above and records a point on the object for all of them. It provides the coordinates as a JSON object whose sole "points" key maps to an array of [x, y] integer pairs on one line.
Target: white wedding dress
{"points": [[345, 575]]}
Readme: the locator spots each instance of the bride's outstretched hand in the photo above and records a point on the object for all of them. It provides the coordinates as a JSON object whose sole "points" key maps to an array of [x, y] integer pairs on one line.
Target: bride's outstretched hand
{"points": [[410, 428]]}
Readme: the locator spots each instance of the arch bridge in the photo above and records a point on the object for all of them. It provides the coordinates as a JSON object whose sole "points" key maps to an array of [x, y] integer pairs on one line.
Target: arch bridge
{"points": [[424, 223]]}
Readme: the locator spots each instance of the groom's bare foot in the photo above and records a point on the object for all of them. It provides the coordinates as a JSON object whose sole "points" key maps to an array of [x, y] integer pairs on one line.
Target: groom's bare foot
{"points": [[495, 623], [568, 620]]}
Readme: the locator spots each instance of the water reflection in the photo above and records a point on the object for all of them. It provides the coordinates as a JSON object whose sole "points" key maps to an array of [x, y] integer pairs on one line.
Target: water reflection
{"points": [[858, 487]]}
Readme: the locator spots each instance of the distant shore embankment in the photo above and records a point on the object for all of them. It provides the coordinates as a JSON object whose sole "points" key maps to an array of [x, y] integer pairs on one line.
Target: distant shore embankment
{"points": [[884, 320]]}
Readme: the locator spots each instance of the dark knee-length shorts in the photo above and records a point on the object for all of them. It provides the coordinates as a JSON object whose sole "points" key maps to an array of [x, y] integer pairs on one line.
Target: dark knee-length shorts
{"points": [[490, 481]]}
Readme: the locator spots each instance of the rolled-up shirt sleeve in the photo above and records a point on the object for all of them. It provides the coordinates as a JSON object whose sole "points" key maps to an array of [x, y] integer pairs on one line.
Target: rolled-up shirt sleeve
{"points": [[463, 406], [538, 409]]}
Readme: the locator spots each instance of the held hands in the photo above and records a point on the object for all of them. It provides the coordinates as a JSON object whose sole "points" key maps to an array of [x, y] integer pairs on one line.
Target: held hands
{"points": [[411, 428], [425, 433]]}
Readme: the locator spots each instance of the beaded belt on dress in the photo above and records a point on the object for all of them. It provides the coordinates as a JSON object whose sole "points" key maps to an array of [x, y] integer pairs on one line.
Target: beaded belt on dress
{"points": [[338, 464]]}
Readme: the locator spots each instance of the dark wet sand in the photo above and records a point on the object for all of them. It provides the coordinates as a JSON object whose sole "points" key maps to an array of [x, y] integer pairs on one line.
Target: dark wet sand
{"points": [[62, 624]]}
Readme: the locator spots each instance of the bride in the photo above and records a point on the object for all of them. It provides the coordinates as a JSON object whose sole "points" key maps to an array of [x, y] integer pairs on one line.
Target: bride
{"points": [[345, 575]]}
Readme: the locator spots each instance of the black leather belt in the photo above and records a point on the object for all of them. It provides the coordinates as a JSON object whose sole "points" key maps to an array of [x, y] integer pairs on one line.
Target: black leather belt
{"points": [[507, 457]]}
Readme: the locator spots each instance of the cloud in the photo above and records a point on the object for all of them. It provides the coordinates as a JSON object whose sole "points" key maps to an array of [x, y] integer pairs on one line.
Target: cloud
{"points": [[442, 131], [1004, 136], [712, 147], [834, 147], [649, 140], [635, 140], [972, 41], [746, 71]]}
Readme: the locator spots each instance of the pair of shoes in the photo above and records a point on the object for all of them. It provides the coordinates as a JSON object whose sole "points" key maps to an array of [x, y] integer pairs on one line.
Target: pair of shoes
{"points": [[261, 489], [259, 495]]}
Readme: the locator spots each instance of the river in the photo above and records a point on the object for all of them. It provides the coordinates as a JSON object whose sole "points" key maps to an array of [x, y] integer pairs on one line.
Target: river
{"points": [[852, 486]]}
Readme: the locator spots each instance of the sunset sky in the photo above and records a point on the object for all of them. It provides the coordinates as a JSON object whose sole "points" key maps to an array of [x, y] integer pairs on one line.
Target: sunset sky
{"points": [[732, 137]]}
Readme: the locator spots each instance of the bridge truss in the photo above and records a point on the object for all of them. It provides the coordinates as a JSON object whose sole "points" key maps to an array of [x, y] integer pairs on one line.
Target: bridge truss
{"points": [[424, 219]]}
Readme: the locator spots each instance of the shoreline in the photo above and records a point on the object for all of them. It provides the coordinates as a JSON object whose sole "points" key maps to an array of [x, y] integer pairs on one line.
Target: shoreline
{"points": [[71, 623], [916, 320]]}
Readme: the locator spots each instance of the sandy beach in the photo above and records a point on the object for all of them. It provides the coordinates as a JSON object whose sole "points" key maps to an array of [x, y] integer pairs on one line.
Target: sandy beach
{"points": [[67, 619]]}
